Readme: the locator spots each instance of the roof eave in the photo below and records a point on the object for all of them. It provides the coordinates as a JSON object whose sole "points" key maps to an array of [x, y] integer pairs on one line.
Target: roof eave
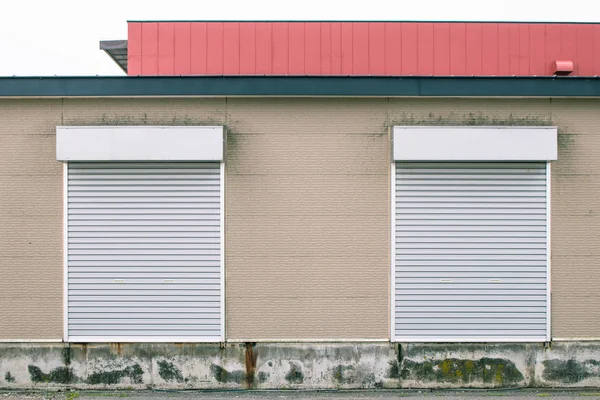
{"points": [[117, 50]]}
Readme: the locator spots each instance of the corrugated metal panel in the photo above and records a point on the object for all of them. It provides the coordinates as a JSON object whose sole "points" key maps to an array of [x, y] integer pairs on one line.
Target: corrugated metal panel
{"points": [[144, 251], [361, 48], [470, 252]]}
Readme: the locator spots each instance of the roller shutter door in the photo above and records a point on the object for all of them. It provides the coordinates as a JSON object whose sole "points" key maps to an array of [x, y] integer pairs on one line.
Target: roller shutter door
{"points": [[470, 252], [144, 252]]}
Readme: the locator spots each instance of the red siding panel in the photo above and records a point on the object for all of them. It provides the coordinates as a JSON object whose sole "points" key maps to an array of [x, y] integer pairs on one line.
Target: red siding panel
{"points": [[296, 49], [150, 48], [503, 50], [537, 49], [312, 48], [376, 48], [568, 44], [166, 48], [584, 63], [336, 48], [458, 49], [393, 48], [231, 49], [182, 56], [280, 48], [524, 49], [360, 48], [473, 49], [214, 49], [347, 49], [134, 48], [514, 44], [425, 49], [597, 50], [198, 48], [410, 64], [264, 59], [325, 49], [441, 49], [247, 48], [552, 47], [489, 53]]}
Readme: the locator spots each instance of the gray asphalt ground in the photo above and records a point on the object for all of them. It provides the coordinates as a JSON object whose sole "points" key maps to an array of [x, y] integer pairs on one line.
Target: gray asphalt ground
{"points": [[311, 395]]}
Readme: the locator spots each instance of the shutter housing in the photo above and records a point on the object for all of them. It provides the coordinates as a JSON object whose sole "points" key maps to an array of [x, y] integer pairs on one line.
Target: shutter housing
{"points": [[144, 257]]}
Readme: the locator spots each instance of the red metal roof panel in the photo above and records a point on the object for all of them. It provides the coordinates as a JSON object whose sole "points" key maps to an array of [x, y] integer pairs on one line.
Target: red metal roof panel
{"points": [[361, 48]]}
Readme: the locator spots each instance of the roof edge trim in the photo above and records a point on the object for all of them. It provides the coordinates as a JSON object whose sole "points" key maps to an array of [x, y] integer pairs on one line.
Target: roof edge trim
{"points": [[369, 21], [314, 86]]}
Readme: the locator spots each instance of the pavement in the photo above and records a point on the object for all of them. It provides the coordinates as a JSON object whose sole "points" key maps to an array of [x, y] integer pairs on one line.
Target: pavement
{"points": [[519, 394]]}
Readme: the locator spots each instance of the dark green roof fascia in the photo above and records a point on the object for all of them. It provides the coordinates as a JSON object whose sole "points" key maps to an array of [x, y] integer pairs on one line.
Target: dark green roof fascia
{"points": [[299, 86]]}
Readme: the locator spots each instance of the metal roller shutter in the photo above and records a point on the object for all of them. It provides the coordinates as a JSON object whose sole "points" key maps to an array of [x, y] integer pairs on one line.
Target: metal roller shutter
{"points": [[470, 252], [144, 252]]}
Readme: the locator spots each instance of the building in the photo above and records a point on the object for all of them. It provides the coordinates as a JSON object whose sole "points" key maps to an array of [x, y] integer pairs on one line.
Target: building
{"points": [[306, 204]]}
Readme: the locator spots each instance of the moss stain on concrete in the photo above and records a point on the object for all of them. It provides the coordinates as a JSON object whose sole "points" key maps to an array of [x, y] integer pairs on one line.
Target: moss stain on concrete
{"points": [[394, 370], [8, 377], [224, 376], [570, 371], [263, 377], [61, 375], [134, 372], [169, 372], [491, 371], [340, 374], [295, 374]]}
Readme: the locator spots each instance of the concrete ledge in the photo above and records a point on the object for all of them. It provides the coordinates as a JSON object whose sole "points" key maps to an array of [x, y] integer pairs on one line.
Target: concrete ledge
{"points": [[298, 365]]}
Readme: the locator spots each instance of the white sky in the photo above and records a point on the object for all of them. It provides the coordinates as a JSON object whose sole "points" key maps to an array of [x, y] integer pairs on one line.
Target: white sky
{"points": [[60, 37]]}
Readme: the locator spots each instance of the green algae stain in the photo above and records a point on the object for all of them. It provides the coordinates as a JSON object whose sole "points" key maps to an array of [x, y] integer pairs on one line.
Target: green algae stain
{"points": [[494, 372]]}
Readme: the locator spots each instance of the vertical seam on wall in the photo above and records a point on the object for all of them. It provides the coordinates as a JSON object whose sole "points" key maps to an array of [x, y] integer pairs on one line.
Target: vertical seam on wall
{"points": [[65, 251], [174, 47], [548, 252], [224, 221], [391, 217], [223, 282], [62, 111]]}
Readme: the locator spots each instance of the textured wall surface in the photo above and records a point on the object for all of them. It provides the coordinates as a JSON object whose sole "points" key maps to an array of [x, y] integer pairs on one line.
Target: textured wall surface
{"points": [[307, 219], [307, 207], [30, 220]]}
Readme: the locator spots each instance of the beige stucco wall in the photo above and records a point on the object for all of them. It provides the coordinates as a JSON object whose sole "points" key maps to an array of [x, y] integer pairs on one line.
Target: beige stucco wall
{"points": [[307, 219], [307, 207], [30, 220]]}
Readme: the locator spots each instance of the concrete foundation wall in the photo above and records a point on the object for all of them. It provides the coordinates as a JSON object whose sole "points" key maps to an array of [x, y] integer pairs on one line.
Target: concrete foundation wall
{"points": [[298, 366], [307, 208]]}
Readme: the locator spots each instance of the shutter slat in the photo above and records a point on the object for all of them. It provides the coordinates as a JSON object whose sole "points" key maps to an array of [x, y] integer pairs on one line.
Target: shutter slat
{"points": [[155, 332], [110, 271], [78, 277], [127, 321]]}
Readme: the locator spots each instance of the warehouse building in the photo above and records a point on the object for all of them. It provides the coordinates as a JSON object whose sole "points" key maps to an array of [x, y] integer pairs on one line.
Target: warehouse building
{"points": [[306, 205]]}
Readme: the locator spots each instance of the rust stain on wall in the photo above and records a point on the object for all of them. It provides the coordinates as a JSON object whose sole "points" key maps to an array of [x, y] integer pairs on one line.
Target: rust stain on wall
{"points": [[251, 357]]}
